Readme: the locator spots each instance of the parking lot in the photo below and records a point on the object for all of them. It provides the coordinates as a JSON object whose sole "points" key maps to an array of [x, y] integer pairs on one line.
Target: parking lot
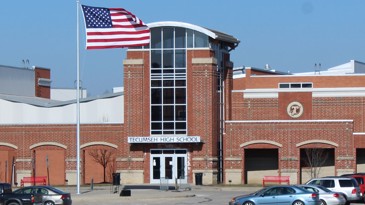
{"points": [[212, 195]]}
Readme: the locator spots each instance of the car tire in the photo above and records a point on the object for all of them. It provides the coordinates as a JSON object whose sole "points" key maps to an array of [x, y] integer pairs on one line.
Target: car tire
{"points": [[48, 203], [248, 203], [13, 203], [298, 203], [323, 202]]}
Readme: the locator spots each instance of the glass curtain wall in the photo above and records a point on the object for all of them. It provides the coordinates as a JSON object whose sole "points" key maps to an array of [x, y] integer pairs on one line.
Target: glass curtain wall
{"points": [[168, 77]]}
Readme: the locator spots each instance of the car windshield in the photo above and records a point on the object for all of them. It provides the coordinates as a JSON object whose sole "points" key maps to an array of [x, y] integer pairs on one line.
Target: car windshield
{"points": [[55, 190], [324, 188], [260, 191], [23, 191], [302, 189]]}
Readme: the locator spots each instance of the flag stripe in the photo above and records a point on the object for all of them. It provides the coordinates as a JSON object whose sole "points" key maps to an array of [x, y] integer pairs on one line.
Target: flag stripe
{"points": [[113, 28], [115, 45], [117, 39], [111, 32]]}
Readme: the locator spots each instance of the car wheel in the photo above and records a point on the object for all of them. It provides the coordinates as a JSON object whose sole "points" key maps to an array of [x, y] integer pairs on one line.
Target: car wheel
{"points": [[323, 202], [13, 203], [248, 203], [298, 203], [48, 203], [346, 203]]}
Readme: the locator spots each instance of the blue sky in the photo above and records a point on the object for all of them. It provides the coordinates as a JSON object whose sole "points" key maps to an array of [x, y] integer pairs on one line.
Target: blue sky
{"points": [[289, 35]]}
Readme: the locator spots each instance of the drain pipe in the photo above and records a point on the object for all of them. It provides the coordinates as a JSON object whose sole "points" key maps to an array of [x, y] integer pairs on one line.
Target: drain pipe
{"points": [[221, 117]]}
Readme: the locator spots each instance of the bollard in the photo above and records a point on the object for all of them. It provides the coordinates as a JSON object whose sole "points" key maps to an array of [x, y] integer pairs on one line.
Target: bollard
{"points": [[176, 184], [92, 184]]}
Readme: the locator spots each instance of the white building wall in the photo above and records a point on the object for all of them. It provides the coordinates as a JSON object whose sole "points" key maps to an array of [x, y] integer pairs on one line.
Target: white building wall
{"points": [[104, 110]]}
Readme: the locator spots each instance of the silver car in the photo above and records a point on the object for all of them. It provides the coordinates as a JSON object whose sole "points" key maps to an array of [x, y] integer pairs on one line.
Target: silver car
{"points": [[326, 196], [281, 194], [347, 186]]}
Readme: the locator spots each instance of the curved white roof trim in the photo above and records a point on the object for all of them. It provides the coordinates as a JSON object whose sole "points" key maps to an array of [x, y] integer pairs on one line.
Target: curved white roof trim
{"points": [[48, 143], [184, 25], [316, 141], [99, 143], [261, 142], [8, 145]]}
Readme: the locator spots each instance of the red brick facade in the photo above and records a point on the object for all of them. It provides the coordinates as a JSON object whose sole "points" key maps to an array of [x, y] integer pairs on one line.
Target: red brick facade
{"points": [[31, 145], [260, 123], [203, 112]]}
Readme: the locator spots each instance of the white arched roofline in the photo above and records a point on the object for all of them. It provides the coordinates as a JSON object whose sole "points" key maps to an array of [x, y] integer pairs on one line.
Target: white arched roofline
{"points": [[47, 144], [316, 141], [8, 145], [261, 142], [183, 25], [98, 143]]}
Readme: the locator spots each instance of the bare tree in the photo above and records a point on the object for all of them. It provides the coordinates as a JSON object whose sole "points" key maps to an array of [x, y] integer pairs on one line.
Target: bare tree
{"points": [[314, 159], [104, 157]]}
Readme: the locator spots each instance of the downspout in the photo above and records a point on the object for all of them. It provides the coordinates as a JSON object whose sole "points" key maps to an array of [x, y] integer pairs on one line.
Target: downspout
{"points": [[221, 123], [221, 113]]}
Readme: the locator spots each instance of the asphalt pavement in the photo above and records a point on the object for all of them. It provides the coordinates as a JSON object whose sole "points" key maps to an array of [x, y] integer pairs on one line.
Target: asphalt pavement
{"points": [[154, 195]]}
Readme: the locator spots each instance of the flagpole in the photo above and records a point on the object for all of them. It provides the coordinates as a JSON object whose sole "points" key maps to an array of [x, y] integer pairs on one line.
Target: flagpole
{"points": [[78, 98]]}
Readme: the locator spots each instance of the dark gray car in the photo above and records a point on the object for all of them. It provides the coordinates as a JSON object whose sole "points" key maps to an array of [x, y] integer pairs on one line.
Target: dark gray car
{"points": [[49, 195]]}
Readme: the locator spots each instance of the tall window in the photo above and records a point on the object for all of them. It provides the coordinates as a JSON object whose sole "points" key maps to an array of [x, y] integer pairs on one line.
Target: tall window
{"points": [[168, 77]]}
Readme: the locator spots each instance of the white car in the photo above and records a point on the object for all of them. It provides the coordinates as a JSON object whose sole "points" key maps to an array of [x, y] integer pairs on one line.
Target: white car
{"points": [[344, 185], [326, 196]]}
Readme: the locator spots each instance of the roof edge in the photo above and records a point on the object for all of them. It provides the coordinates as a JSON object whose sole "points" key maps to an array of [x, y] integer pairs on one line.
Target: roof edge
{"points": [[184, 25]]}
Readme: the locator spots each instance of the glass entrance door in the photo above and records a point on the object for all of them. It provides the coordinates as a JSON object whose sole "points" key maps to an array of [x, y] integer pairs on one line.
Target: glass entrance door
{"points": [[168, 165]]}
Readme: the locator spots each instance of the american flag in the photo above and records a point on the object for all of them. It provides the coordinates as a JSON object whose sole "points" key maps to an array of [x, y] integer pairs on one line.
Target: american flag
{"points": [[113, 28]]}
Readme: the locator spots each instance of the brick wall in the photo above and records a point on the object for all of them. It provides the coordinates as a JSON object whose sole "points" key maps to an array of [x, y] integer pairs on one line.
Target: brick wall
{"points": [[202, 112], [289, 138], [42, 91], [56, 141], [326, 122]]}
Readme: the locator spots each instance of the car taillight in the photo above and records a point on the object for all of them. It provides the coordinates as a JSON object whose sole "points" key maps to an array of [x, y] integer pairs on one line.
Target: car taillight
{"points": [[314, 195], [32, 199], [336, 195], [64, 196], [354, 191]]}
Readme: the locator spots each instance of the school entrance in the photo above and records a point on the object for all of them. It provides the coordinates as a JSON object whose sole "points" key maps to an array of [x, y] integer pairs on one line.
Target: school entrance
{"points": [[168, 165]]}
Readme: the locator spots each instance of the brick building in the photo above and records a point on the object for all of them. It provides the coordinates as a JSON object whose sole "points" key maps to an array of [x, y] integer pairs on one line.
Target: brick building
{"points": [[275, 118], [174, 93], [184, 112]]}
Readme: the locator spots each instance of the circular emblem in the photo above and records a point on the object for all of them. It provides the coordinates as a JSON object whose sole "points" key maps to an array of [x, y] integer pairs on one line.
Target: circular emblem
{"points": [[295, 109]]}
